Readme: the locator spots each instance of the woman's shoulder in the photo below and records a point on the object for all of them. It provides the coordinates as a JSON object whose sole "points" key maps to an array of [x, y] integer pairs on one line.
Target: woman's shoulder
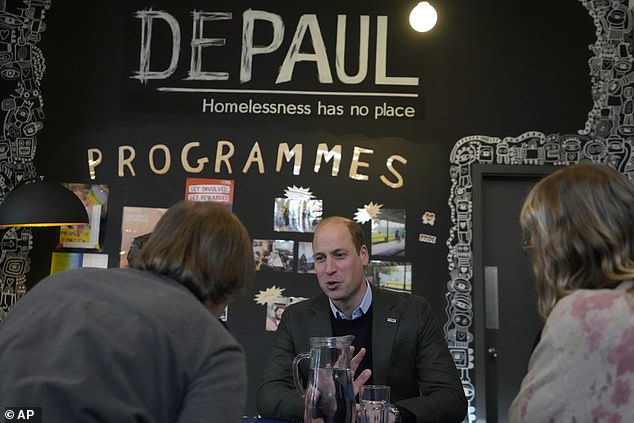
{"points": [[593, 305], [591, 299]]}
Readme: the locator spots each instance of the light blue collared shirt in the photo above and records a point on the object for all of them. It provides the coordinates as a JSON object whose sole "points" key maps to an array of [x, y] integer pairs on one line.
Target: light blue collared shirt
{"points": [[359, 311]]}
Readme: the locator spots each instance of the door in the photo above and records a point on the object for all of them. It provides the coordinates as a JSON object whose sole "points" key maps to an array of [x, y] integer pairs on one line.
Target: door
{"points": [[510, 322]]}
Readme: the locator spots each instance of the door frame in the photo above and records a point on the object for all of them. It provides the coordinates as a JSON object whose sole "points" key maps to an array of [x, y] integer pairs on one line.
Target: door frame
{"points": [[480, 173]]}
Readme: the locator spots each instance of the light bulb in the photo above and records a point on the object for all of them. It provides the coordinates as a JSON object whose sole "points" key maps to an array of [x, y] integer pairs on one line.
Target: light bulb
{"points": [[423, 17]]}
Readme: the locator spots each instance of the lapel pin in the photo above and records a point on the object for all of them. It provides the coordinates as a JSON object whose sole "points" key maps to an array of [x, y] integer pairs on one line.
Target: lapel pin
{"points": [[391, 320]]}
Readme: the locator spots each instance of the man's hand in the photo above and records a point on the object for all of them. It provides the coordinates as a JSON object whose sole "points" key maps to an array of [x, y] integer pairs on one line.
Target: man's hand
{"points": [[323, 392], [364, 375]]}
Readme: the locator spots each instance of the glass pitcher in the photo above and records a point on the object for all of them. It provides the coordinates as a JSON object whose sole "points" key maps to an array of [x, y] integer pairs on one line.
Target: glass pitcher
{"points": [[329, 395]]}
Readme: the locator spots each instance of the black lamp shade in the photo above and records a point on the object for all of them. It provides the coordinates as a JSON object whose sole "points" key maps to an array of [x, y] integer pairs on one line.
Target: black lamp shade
{"points": [[42, 203]]}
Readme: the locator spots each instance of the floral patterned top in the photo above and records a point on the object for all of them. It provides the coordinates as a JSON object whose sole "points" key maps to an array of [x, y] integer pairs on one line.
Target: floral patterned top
{"points": [[582, 370]]}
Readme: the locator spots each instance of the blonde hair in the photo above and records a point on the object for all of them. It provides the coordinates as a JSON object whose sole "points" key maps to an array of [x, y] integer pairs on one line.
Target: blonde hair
{"points": [[202, 245], [580, 224]]}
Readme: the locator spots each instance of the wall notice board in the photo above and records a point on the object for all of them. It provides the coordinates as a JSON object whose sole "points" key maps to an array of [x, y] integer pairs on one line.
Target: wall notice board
{"points": [[288, 111]]}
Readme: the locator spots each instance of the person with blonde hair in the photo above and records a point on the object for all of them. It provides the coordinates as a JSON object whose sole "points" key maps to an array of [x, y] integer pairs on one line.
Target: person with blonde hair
{"points": [[139, 343], [579, 228]]}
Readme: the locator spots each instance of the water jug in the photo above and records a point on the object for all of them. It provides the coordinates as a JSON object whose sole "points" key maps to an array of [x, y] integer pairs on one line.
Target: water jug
{"points": [[329, 395]]}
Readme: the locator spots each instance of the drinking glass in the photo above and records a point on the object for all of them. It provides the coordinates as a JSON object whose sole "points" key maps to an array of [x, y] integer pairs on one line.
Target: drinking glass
{"points": [[374, 401]]}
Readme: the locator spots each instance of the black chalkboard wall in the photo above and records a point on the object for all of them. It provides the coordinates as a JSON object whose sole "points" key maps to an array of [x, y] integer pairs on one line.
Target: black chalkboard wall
{"points": [[490, 70]]}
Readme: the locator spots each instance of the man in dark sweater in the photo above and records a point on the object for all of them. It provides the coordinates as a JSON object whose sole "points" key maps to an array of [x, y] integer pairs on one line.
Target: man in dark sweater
{"points": [[398, 340]]}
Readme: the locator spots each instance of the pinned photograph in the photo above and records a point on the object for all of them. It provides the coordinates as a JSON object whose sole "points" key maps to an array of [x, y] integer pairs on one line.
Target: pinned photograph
{"points": [[296, 215], [67, 260], [305, 261], [275, 255], [136, 222], [95, 199], [388, 233], [274, 311], [390, 275], [297, 211]]}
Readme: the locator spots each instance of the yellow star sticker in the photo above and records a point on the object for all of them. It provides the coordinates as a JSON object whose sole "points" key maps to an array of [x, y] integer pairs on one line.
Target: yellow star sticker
{"points": [[368, 212], [268, 295], [298, 193]]}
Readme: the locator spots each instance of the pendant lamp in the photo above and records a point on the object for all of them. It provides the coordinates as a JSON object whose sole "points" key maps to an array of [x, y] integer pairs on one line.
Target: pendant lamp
{"points": [[42, 203], [423, 17]]}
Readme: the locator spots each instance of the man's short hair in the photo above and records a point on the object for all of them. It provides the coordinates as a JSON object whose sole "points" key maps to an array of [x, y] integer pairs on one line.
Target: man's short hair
{"points": [[356, 232]]}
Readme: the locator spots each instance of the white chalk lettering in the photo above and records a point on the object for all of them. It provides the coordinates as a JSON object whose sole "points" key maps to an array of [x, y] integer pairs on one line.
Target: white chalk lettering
{"points": [[306, 45], [147, 19]]}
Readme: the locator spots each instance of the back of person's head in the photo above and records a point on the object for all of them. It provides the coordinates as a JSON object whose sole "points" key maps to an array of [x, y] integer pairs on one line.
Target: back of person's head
{"points": [[355, 230], [202, 245], [579, 221]]}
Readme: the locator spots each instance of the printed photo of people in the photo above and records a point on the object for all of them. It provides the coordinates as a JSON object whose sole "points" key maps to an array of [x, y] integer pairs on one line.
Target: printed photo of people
{"points": [[295, 215], [95, 199], [275, 255], [305, 262], [390, 275], [136, 222], [388, 233], [274, 311]]}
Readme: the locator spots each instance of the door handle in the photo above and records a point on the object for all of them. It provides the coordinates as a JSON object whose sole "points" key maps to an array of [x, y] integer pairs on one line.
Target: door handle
{"points": [[493, 354]]}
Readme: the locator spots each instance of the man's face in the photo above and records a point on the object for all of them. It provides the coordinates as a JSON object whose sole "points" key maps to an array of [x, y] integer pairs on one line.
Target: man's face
{"points": [[278, 313], [338, 266]]}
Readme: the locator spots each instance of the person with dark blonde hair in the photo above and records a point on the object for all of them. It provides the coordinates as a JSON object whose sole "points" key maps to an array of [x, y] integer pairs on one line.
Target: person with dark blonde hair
{"points": [[141, 343], [579, 226]]}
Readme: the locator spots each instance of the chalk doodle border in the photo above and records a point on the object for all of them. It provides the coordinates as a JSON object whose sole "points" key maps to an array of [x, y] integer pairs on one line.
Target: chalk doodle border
{"points": [[21, 69], [606, 138]]}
